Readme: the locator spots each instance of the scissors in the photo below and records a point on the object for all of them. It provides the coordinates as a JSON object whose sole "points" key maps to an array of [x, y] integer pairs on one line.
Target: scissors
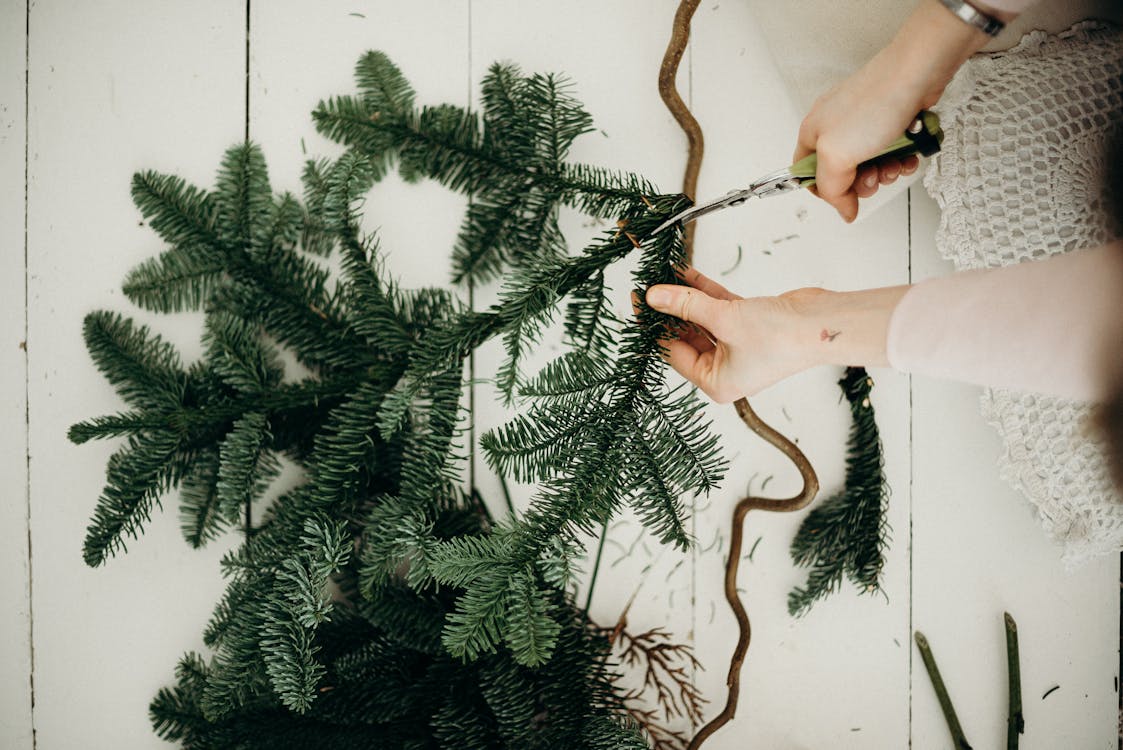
{"points": [[923, 136]]}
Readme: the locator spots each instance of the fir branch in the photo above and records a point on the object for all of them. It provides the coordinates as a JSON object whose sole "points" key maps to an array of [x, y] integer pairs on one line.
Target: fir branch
{"points": [[137, 475], [245, 467], [383, 86], [243, 198], [238, 354], [377, 429], [181, 214], [846, 535], [200, 519], [181, 278], [145, 369], [530, 631], [117, 425], [315, 237]]}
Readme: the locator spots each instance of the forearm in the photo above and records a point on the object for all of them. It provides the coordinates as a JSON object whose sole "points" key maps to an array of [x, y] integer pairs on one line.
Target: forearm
{"points": [[1048, 326], [931, 46], [844, 328], [1051, 326]]}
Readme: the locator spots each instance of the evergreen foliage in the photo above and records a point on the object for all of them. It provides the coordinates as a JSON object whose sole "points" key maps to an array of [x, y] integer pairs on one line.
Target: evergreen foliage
{"points": [[378, 603], [846, 535]]}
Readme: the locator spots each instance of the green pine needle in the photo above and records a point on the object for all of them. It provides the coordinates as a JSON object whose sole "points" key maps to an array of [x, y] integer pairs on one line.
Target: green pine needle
{"points": [[845, 535]]}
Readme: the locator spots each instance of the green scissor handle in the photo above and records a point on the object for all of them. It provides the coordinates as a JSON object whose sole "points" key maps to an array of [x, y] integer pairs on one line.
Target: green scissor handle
{"points": [[924, 136]]}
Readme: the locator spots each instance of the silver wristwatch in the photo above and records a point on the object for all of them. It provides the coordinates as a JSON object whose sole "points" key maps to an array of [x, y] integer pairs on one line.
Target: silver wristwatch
{"points": [[972, 16]]}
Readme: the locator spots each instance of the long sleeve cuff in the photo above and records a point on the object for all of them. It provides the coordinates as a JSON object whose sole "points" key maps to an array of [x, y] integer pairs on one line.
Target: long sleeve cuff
{"points": [[1046, 326]]}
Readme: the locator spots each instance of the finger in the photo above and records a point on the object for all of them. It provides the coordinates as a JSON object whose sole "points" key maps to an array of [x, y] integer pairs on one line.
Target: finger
{"points": [[889, 171], [909, 164], [834, 178], [865, 183], [699, 280], [695, 366], [691, 305], [699, 338], [806, 139]]}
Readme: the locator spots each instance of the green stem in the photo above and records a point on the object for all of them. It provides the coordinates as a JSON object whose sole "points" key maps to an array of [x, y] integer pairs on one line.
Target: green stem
{"points": [[959, 741], [553, 180], [507, 495], [1015, 723], [596, 567]]}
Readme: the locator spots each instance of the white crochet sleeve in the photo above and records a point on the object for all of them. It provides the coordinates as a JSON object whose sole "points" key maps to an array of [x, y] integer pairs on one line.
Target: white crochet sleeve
{"points": [[1022, 176]]}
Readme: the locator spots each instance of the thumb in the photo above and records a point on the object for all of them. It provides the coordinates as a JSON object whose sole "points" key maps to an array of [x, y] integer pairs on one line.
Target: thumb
{"points": [[689, 304]]}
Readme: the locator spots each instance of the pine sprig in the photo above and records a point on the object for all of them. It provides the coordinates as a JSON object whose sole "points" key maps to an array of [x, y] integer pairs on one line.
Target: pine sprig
{"points": [[846, 535], [378, 601]]}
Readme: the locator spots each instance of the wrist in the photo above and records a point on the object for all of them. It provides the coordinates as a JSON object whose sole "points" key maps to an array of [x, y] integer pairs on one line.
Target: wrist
{"points": [[930, 47], [844, 328]]}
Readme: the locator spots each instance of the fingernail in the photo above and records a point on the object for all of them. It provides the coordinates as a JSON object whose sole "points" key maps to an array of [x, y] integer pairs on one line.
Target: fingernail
{"points": [[870, 180], [658, 298]]}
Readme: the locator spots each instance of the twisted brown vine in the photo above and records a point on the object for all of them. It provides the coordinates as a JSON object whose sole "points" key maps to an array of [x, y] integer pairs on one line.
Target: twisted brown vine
{"points": [[676, 47], [668, 70]]}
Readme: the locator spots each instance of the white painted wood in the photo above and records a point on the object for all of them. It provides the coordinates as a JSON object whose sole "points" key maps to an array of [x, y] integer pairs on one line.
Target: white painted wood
{"points": [[977, 551], [798, 673], [116, 87], [15, 593]]}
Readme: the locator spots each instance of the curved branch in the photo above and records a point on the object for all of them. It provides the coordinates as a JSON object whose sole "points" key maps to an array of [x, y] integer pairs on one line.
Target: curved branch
{"points": [[676, 47], [680, 35], [798, 501]]}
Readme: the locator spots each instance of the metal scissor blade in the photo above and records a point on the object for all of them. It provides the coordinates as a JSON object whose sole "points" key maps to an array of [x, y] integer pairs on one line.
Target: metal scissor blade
{"points": [[732, 198]]}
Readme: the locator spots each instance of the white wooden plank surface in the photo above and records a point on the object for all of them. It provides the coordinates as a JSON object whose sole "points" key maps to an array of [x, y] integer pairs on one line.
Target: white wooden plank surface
{"points": [[634, 132], [797, 673], [15, 595], [116, 87], [977, 551]]}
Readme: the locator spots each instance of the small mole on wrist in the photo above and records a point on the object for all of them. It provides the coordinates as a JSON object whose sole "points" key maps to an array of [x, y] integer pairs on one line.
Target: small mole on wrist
{"points": [[828, 336]]}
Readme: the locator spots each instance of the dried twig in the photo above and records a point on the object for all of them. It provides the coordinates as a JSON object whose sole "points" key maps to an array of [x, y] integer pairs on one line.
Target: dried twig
{"points": [[676, 47], [666, 666], [668, 70], [810, 488]]}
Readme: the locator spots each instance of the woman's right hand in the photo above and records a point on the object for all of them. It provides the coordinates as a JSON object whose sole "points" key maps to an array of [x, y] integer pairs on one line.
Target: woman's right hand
{"points": [[857, 119]]}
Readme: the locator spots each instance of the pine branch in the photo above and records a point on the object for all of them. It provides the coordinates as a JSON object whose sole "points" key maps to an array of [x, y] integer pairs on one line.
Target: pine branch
{"points": [[181, 214], [137, 475], [182, 278], [200, 519], [846, 534], [467, 618], [245, 468], [145, 369]]}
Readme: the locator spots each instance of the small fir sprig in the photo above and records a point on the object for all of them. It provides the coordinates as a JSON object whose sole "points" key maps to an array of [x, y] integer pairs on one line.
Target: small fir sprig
{"points": [[846, 534]]}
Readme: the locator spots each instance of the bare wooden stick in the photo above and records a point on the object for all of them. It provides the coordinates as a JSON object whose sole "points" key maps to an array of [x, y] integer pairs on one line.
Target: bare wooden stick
{"points": [[959, 741], [744, 628], [668, 70], [680, 35]]}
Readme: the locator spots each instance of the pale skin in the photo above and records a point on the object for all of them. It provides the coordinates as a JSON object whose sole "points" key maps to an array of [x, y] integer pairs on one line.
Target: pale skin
{"points": [[758, 341], [748, 344]]}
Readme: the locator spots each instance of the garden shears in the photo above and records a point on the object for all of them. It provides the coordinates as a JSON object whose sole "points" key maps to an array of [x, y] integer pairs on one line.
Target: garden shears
{"points": [[923, 136]]}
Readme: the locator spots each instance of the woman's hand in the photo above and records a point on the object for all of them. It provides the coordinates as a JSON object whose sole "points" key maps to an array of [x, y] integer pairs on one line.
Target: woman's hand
{"points": [[857, 119], [734, 347]]}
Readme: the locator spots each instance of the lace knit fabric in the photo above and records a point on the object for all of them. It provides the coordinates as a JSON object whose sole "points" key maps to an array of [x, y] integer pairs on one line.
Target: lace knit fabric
{"points": [[1021, 176]]}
